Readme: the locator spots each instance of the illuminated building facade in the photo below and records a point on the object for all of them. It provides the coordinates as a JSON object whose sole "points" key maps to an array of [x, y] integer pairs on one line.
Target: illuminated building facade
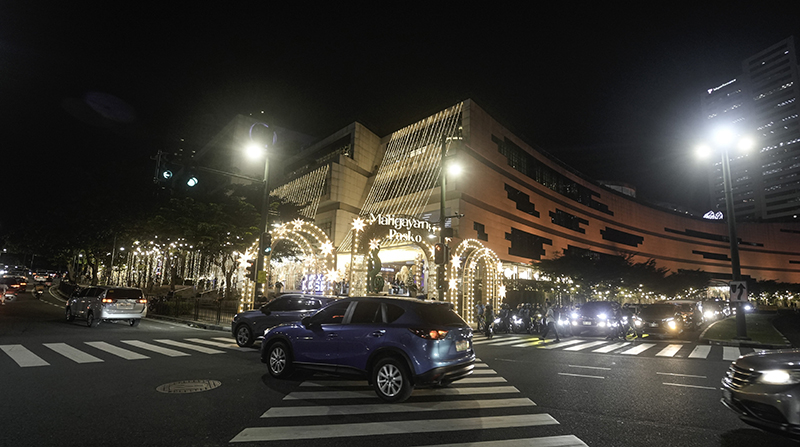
{"points": [[517, 202], [762, 102]]}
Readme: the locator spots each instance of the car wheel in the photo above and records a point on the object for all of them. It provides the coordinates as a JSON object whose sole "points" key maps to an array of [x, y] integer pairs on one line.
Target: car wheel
{"points": [[244, 336], [70, 317], [135, 322], [279, 362], [391, 380], [91, 321]]}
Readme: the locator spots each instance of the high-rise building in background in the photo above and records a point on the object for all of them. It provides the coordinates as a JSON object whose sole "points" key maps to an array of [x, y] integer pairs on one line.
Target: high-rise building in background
{"points": [[762, 102]]}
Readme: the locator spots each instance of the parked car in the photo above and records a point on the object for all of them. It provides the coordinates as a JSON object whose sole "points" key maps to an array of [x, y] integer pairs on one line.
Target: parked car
{"points": [[763, 388], [595, 317], [249, 326], [395, 343], [95, 304], [691, 313], [664, 319], [715, 310]]}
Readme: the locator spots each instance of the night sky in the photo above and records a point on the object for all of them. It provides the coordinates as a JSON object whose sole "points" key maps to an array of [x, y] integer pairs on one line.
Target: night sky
{"points": [[88, 94]]}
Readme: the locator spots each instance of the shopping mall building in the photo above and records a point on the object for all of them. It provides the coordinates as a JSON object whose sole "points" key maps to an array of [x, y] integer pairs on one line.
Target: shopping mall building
{"points": [[376, 201]]}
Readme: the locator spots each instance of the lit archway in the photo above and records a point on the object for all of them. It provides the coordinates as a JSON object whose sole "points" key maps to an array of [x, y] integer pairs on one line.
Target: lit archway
{"points": [[474, 253]]}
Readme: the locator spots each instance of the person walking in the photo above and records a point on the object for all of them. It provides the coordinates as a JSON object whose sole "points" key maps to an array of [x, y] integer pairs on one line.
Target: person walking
{"points": [[550, 323], [3, 290]]}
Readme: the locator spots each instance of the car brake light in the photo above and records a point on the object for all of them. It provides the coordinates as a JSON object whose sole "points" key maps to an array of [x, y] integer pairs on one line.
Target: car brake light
{"points": [[143, 300], [107, 300], [429, 334]]}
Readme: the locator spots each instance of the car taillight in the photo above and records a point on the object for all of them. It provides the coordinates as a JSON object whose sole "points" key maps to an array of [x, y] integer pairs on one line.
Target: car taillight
{"points": [[429, 334], [142, 300], [107, 300]]}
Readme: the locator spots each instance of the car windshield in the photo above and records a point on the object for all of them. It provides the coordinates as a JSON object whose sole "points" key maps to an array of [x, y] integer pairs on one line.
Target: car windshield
{"points": [[439, 314], [596, 307], [658, 311]]}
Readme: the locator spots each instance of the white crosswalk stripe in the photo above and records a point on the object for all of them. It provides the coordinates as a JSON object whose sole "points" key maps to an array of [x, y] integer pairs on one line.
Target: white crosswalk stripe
{"points": [[613, 347], [700, 352], [154, 348], [468, 404], [669, 351], [730, 353], [190, 347], [23, 356], [583, 346], [73, 354], [119, 352]]}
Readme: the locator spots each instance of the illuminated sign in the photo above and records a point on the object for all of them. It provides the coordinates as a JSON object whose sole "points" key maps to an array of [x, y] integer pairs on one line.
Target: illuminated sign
{"points": [[400, 223], [712, 215], [723, 85]]}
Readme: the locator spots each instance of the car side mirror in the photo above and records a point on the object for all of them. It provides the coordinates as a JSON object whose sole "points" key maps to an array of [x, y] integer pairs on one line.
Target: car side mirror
{"points": [[308, 322]]}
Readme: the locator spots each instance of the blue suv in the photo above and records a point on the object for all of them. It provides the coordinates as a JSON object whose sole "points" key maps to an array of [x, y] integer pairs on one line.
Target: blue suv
{"points": [[395, 343]]}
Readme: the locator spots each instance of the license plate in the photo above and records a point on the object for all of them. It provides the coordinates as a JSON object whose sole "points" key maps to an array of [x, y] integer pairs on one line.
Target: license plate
{"points": [[124, 306], [587, 323], [653, 324], [462, 345]]}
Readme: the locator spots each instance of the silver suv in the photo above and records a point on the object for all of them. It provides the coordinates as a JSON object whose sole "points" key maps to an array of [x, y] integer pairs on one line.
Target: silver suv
{"points": [[95, 304]]}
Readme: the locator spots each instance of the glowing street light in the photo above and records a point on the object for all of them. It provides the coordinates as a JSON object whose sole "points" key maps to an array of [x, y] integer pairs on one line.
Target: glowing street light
{"points": [[725, 138]]}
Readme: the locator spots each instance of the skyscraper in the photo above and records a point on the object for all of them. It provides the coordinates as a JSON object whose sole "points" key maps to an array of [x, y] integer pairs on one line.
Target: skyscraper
{"points": [[762, 102]]}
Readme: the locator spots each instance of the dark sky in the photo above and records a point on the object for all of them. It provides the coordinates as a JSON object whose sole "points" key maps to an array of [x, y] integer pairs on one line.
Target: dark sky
{"points": [[90, 93]]}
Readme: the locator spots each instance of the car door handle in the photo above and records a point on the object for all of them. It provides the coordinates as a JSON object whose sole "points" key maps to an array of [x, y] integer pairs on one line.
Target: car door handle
{"points": [[333, 335], [379, 333]]}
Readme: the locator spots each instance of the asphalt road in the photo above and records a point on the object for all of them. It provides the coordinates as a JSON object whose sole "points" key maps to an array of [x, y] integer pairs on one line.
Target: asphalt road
{"points": [[67, 384]]}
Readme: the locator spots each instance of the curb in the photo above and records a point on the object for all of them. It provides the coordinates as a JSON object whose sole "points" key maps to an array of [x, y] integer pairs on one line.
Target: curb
{"points": [[742, 343], [197, 324]]}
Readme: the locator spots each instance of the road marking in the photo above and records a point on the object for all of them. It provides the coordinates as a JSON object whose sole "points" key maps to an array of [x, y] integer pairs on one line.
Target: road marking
{"points": [[527, 344], [76, 355], [340, 383], [690, 386], [553, 344], [682, 375], [23, 356], [545, 441], [119, 352], [581, 375], [255, 434], [500, 340], [614, 347], [585, 346], [700, 352], [148, 347], [669, 351], [590, 367], [202, 349], [636, 350], [229, 345], [730, 353], [453, 391], [508, 342], [342, 410], [478, 372]]}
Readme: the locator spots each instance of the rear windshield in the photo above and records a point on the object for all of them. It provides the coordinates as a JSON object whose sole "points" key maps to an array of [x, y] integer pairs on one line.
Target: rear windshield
{"points": [[122, 294], [439, 314]]}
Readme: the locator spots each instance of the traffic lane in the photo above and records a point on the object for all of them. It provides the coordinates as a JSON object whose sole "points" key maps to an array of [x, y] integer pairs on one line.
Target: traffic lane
{"points": [[116, 402], [621, 400]]}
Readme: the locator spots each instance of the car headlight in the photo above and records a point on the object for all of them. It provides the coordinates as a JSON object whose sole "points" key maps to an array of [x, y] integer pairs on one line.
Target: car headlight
{"points": [[602, 316], [637, 322], [517, 320], [779, 377], [672, 324], [709, 314], [574, 315]]}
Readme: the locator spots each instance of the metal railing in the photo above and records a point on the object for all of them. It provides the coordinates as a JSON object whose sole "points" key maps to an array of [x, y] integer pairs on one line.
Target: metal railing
{"points": [[195, 309]]}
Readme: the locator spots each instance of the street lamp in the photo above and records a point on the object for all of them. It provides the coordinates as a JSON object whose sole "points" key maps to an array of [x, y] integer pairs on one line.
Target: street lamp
{"points": [[453, 169], [254, 151], [724, 139]]}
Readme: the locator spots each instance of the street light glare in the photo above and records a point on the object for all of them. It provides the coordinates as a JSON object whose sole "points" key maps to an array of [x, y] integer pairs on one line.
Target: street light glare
{"points": [[746, 143], [724, 136], [703, 151], [254, 152], [454, 169]]}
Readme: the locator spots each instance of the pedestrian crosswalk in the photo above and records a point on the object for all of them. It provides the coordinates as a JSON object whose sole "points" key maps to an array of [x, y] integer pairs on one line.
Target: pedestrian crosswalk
{"points": [[33, 355], [470, 407], [646, 347]]}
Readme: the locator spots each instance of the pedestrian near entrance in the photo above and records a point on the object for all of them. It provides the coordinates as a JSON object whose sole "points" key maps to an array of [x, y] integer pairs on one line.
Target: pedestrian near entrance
{"points": [[550, 323], [3, 290]]}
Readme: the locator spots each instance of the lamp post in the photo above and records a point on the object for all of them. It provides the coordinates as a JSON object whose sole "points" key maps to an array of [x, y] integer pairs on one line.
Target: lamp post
{"points": [[724, 139], [442, 201], [255, 151]]}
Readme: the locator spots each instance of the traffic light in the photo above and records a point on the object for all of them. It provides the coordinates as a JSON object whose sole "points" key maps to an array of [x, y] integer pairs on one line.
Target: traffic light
{"points": [[441, 253], [267, 238], [251, 270], [192, 181]]}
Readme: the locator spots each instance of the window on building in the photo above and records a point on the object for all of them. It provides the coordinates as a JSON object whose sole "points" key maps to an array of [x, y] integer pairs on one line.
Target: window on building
{"points": [[479, 227], [567, 220], [526, 245], [522, 200]]}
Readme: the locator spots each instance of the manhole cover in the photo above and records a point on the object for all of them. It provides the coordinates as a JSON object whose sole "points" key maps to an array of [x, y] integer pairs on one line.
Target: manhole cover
{"points": [[188, 386]]}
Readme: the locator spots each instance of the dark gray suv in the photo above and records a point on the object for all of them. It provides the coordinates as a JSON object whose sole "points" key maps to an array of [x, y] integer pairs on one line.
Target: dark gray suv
{"points": [[249, 326]]}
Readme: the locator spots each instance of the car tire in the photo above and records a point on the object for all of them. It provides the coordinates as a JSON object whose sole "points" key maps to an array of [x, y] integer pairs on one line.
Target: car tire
{"points": [[70, 317], [279, 361], [244, 336], [391, 380], [91, 321], [135, 322]]}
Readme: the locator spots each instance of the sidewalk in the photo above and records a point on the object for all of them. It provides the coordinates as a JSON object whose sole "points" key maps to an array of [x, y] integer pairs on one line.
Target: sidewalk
{"points": [[766, 330]]}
